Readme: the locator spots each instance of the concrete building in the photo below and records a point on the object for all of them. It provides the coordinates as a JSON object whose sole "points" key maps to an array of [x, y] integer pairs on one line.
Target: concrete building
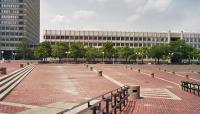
{"points": [[120, 39], [19, 20]]}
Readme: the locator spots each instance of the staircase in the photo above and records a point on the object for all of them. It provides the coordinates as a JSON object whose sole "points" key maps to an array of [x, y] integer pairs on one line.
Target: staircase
{"points": [[10, 81]]}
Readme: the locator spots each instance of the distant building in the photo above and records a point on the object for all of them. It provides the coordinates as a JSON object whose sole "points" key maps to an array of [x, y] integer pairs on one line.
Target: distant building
{"points": [[120, 39], [19, 19]]}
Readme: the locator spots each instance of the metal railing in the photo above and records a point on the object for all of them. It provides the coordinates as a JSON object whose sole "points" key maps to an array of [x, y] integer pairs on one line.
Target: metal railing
{"points": [[108, 103], [192, 87]]}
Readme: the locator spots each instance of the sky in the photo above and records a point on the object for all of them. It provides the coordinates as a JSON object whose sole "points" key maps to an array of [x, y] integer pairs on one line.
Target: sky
{"points": [[121, 15]]}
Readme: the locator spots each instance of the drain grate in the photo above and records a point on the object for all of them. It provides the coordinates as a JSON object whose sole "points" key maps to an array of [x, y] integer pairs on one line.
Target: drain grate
{"points": [[161, 93]]}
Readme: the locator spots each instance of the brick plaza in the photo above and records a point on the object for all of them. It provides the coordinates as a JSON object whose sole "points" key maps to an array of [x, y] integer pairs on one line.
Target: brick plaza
{"points": [[50, 85]]}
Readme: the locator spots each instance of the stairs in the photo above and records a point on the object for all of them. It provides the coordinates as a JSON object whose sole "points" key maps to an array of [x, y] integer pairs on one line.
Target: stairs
{"points": [[10, 81]]}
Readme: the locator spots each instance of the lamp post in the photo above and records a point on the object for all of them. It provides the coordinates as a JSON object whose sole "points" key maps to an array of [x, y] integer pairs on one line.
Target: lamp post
{"points": [[2, 52], [14, 54], [170, 57], [113, 58], [103, 57], [67, 52]]}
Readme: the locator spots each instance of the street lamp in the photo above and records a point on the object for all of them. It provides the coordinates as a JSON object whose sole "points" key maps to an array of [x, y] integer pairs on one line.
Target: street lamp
{"points": [[170, 55], [103, 57], [2, 52], [14, 54], [113, 58], [67, 52]]}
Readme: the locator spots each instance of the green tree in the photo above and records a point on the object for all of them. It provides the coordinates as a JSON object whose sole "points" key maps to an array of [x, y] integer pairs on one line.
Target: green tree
{"points": [[43, 51], [180, 50], [132, 55], [59, 50], [158, 52], [142, 52], [108, 50], [91, 54], [125, 52], [77, 50]]}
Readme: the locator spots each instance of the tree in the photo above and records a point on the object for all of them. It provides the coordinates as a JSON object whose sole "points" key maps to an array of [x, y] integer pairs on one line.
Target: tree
{"points": [[158, 52], [23, 48], [180, 50], [77, 50], [42, 51], [141, 53], [125, 52], [59, 50], [132, 55], [108, 50], [91, 54]]}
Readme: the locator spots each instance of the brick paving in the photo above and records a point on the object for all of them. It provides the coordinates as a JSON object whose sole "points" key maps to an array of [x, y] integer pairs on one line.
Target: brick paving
{"points": [[48, 84], [10, 67], [189, 103], [75, 83]]}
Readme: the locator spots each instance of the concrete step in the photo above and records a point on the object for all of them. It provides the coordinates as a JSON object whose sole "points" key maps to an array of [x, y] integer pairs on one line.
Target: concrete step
{"points": [[6, 80], [8, 75], [7, 88], [2, 88]]}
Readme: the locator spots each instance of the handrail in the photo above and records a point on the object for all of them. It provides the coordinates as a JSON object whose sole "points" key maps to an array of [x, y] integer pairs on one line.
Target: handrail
{"points": [[108, 102]]}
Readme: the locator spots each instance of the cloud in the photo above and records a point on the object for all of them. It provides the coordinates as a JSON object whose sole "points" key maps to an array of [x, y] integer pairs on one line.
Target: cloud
{"points": [[58, 18], [142, 7], [84, 14]]}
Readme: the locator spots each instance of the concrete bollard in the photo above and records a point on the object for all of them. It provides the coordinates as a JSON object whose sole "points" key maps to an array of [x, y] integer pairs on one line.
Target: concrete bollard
{"points": [[131, 68], [187, 76], [3, 70], [100, 73], [91, 68], [87, 66], [152, 75], [165, 70], [173, 72], [28, 63], [21, 65], [139, 70], [134, 92]]}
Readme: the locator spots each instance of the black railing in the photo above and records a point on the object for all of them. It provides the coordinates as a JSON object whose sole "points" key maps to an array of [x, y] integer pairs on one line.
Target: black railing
{"points": [[192, 87], [108, 103]]}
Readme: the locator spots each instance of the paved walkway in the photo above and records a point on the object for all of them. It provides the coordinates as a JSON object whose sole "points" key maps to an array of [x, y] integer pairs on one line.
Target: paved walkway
{"points": [[11, 67], [160, 96], [49, 84]]}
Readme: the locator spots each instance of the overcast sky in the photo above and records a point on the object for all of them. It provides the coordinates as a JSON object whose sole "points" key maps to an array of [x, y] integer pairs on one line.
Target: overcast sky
{"points": [[121, 15]]}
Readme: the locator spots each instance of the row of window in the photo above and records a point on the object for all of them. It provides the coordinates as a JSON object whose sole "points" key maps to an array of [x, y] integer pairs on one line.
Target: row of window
{"points": [[8, 11], [107, 38], [11, 5], [11, 28], [9, 45], [11, 17], [11, 0], [191, 39], [7, 22], [11, 39], [11, 34]]}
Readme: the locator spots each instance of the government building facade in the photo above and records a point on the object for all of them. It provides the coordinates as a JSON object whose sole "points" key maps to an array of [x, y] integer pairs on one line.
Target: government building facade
{"points": [[120, 39], [19, 20]]}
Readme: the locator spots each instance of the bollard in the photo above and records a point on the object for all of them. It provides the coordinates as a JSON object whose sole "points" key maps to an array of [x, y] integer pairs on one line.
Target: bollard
{"points": [[173, 72], [152, 75], [165, 70], [131, 68], [187, 76], [126, 67], [91, 68], [134, 92], [87, 66], [21, 65], [159, 68], [3, 70], [100, 73], [139, 70], [28, 63]]}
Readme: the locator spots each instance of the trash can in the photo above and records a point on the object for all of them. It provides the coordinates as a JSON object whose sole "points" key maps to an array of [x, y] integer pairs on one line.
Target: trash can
{"points": [[134, 92]]}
